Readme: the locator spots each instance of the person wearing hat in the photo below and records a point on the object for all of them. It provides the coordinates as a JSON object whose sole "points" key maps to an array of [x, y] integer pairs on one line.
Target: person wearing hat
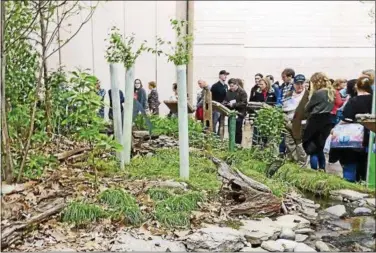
{"points": [[294, 109], [219, 91]]}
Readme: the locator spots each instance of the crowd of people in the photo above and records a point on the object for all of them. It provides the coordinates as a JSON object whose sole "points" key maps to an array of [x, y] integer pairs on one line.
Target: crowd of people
{"points": [[312, 109]]}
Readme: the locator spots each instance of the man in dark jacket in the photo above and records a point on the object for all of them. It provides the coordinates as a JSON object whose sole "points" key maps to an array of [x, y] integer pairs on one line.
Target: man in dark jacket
{"points": [[219, 91], [258, 77], [237, 100]]}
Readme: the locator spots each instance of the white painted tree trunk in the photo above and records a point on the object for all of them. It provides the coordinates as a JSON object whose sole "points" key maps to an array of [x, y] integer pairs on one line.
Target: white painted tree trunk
{"points": [[183, 121], [128, 114], [116, 108]]}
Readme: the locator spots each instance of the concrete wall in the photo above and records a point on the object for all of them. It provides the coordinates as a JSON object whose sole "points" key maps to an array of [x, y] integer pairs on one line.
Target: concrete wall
{"points": [[243, 37], [144, 18], [247, 37]]}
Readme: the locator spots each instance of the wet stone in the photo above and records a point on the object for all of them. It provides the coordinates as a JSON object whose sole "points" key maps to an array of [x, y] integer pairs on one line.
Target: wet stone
{"points": [[338, 211], [322, 247], [362, 211], [287, 233], [272, 246], [301, 237]]}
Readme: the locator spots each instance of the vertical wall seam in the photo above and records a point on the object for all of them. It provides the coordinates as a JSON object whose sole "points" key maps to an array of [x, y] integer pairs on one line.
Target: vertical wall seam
{"points": [[92, 40]]}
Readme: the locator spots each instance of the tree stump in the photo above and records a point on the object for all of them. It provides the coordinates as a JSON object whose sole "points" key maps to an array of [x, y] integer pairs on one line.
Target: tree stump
{"points": [[244, 195]]}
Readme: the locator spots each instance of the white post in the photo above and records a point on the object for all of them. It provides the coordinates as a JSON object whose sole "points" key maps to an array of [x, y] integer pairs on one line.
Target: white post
{"points": [[116, 108], [183, 121], [128, 114]]}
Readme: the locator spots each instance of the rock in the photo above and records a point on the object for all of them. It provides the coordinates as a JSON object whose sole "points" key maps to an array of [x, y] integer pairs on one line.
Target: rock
{"points": [[263, 229], [305, 231], [362, 202], [338, 210], [140, 134], [362, 211], [126, 242], [293, 222], [322, 247], [287, 233], [359, 248], [371, 202], [288, 245], [272, 246], [301, 247], [349, 194], [300, 237], [255, 242], [250, 249], [215, 238]]}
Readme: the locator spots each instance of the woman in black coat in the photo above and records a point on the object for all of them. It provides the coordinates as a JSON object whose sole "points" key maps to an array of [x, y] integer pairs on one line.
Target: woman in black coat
{"points": [[265, 93]]}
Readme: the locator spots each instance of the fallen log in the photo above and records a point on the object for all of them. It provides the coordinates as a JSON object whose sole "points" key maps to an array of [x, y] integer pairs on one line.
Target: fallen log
{"points": [[66, 154], [14, 231], [246, 196]]}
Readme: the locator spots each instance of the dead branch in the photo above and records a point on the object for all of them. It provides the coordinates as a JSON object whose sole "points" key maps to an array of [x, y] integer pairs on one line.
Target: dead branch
{"points": [[14, 231], [67, 154], [246, 196]]}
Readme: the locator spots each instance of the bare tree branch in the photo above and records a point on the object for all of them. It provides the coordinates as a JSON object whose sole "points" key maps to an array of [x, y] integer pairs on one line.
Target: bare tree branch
{"points": [[77, 31]]}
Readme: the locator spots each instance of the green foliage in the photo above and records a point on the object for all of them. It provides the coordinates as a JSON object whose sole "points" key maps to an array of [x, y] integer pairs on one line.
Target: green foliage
{"points": [[159, 193], [36, 164], [122, 204], [80, 213], [165, 165], [316, 182], [181, 53], [121, 50], [173, 219]]}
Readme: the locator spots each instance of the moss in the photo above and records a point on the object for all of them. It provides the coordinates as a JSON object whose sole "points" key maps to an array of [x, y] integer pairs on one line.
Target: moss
{"points": [[165, 165]]}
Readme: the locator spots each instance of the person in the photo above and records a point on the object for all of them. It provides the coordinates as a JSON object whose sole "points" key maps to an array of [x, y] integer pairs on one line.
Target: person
{"points": [[354, 160], [240, 83], [153, 98], [237, 99], [319, 125], [200, 99], [275, 86], [258, 77], [338, 85], [110, 113], [264, 94], [102, 94], [370, 73], [174, 97], [293, 108], [140, 93], [287, 75], [219, 91]]}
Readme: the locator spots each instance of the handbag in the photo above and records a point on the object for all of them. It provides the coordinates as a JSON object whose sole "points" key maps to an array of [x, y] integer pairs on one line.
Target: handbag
{"points": [[349, 135], [200, 113]]}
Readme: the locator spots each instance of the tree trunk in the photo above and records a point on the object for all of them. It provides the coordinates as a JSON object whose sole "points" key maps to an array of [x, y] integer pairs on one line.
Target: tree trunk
{"points": [[8, 172], [47, 97], [128, 115]]}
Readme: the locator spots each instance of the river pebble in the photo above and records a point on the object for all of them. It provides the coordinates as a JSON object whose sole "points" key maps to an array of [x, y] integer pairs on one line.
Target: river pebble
{"points": [[288, 245], [287, 233], [272, 246], [338, 210], [301, 237], [301, 247], [362, 211], [322, 247]]}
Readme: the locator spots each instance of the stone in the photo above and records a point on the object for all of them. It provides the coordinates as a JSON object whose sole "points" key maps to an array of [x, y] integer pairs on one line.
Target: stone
{"points": [[301, 237], [293, 222], [140, 134], [305, 231], [322, 247], [263, 229], [362, 211], [272, 246], [126, 242], [255, 242], [338, 211], [250, 249], [371, 202], [287, 233], [288, 245], [214, 238], [301, 247], [349, 194]]}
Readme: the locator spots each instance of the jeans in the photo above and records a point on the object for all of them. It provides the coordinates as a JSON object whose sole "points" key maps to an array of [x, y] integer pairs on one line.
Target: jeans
{"points": [[282, 145], [317, 160], [216, 118]]}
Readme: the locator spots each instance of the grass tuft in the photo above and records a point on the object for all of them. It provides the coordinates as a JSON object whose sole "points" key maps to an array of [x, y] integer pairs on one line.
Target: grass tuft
{"points": [[173, 219], [80, 213], [157, 194], [180, 203], [122, 204]]}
